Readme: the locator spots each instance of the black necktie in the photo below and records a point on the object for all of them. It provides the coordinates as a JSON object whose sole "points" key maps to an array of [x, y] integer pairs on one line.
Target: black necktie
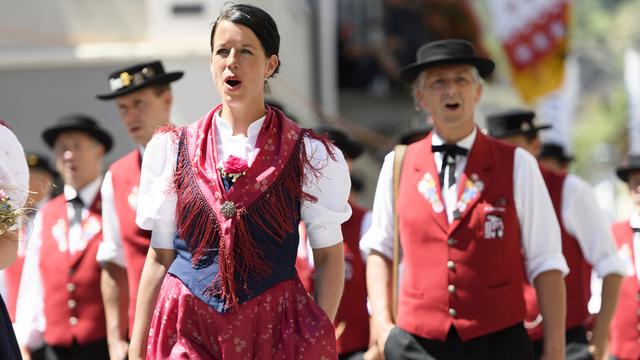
{"points": [[77, 205], [449, 153]]}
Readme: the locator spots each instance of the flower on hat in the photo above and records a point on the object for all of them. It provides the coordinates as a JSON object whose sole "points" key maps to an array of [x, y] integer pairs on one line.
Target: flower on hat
{"points": [[9, 217], [233, 167]]}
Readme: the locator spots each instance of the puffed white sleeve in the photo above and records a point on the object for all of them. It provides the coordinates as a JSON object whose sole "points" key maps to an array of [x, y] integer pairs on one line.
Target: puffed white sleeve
{"points": [[156, 199], [14, 172], [324, 217]]}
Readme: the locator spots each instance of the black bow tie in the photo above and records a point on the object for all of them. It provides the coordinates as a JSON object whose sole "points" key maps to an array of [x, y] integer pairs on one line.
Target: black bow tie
{"points": [[77, 205], [636, 230], [449, 153], [76, 202]]}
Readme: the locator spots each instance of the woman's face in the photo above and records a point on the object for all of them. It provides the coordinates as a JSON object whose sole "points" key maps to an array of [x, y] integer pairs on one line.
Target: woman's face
{"points": [[238, 63]]}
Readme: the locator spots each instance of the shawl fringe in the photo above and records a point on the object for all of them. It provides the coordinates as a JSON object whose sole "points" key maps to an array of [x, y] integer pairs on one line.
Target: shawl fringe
{"points": [[272, 212]]}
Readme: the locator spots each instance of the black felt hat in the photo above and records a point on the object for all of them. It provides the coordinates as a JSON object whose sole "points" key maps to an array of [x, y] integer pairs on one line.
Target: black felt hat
{"points": [[555, 151], [512, 122], [445, 52], [349, 147], [136, 77], [632, 164], [78, 122]]}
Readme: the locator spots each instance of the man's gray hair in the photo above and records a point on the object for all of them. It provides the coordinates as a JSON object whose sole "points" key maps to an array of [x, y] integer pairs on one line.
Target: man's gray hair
{"points": [[418, 83]]}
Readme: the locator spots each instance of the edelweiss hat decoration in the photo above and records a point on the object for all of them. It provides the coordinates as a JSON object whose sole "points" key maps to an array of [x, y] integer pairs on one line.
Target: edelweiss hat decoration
{"points": [[136, 77]]}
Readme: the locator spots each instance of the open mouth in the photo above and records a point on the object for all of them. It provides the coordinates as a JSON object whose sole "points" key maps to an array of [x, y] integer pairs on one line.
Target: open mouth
{"points": [[452, 105], [232, 82]]}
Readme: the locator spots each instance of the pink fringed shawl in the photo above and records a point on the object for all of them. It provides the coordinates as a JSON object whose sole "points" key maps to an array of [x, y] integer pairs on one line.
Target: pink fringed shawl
{"points": [[207, 215]]}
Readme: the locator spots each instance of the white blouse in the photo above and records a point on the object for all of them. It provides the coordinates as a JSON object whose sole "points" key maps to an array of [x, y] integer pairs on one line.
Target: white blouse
{"points": [[14, 172], [157, 203]]}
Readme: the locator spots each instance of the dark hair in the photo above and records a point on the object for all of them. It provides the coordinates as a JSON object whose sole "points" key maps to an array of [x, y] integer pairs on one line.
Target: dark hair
{"points": [[256, 19]]}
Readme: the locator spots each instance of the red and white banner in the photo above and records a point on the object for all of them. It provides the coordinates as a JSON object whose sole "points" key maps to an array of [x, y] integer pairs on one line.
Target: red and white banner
{"points": [[534, 35]]}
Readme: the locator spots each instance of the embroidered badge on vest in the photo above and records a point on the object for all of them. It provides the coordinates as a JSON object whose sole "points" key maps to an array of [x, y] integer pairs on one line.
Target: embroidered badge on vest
{"points": [[427, 187], [132, 199], [90, 228], [59, 232], [493, 227], [472, 188]]}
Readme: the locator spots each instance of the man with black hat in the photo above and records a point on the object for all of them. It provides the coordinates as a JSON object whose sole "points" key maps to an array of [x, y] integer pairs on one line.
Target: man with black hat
{"points": [[59, 291], [554, 157], [143, 97], [625, 327], [586, 242], [474, 218]]}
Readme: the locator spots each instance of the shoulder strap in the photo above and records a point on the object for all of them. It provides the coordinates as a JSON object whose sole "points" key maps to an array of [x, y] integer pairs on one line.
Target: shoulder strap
{"points": [[397, 169]]}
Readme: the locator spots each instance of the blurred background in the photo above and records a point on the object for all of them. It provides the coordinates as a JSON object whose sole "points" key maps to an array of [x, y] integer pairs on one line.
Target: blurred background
{"points": [[574, 62]]}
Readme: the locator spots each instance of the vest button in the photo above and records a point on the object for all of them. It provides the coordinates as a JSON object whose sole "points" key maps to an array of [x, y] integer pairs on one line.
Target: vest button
{"points": [[453, 312], [71, 303], [73, 320], [451, 241], [451, 265], [71, 287], [451, 289]]}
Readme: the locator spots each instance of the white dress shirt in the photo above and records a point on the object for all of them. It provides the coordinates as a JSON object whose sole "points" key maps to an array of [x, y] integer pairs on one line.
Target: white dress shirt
{"points": [[30, 320], [323, 218], [540, 232], [110, 249], [586, 221]]}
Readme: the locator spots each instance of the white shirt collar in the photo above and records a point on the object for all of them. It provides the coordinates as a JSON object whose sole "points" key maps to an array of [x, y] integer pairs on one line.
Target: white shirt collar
{"points": [[465, 142], [87, 194], [225, 131], [634, 220]]}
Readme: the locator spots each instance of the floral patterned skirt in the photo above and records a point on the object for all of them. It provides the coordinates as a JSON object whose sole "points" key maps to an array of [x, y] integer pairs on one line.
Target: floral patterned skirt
{"points": [[281, 323]]}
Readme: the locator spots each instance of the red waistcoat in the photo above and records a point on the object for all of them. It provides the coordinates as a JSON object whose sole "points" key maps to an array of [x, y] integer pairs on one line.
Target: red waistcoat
{"points": [[352, 317], [625, 326], [578, 280], [468, 274], [71, 283], [12, 275], [135, 242]]}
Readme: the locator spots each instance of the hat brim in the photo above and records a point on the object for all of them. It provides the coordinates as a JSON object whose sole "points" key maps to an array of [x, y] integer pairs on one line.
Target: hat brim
{"points": [[561, 157], [502, 134], [485, 67], [624, 171], [162, 79], [103, 137]]}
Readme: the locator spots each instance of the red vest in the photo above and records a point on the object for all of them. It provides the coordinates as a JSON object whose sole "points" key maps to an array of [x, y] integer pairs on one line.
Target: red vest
{"points": [[12, 276], [625, 326], [468, 274], [71, 283], [135, 242], [352, 318], [579, 279]]}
